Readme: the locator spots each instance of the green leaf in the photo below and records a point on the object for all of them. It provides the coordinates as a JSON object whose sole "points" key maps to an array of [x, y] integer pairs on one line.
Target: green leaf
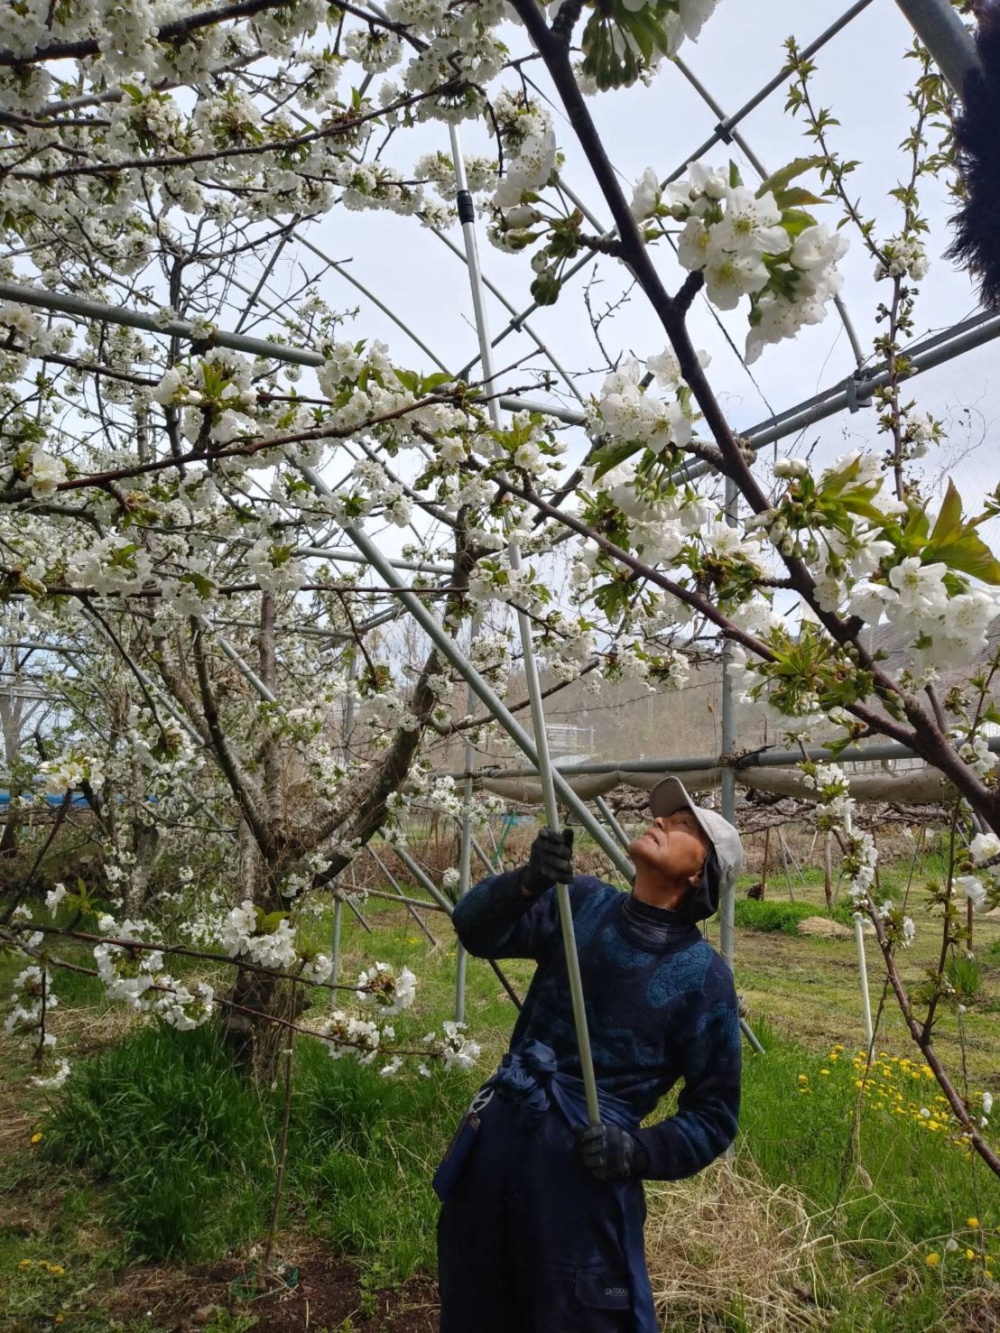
{"points": [[969, 554], [917, 528], [610, 455], [957, 544], [781, 180], [796, 198], [795, 221], [949, 520]]}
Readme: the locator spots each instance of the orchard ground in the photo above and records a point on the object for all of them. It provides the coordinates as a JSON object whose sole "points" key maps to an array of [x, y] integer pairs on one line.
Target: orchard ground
{"points": [[138, 1198]]}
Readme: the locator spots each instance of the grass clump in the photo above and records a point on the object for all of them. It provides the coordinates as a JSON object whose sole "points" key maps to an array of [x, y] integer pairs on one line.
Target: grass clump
{"points": [[176, 1132], [766, 916]]}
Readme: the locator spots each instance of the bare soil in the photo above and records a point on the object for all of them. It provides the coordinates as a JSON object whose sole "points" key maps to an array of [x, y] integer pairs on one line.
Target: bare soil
{"points": [[309, 1290]]}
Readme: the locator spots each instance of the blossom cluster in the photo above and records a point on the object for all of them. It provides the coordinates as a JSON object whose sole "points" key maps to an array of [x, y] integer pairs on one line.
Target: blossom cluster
{"points": [[982, 889], [746, 244], [948, 630], [627, 411], [902, 257], [247, 932], [835, 808], [391, 990], [530, 155], [70, 771], [137, 977]]}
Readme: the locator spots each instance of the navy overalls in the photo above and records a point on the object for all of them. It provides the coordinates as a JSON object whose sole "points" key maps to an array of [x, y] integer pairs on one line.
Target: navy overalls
{"points": [[529, 1241]]}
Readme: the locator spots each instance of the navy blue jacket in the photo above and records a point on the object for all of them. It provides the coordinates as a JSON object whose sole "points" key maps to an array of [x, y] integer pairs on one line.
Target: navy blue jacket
{"points": [[661, 1006]]}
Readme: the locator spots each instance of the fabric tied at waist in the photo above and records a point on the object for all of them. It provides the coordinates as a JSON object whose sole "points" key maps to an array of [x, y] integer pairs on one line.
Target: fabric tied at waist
{"points": [[532, 1081], [532, 1078]]}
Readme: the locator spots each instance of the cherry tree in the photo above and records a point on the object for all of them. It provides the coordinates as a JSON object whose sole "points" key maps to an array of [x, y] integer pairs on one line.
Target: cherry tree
{"points": [[177, 495]]}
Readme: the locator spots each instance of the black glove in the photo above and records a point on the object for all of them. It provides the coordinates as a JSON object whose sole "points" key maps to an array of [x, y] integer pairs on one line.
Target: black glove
{"points": [[611, 1153], [551, 861]]}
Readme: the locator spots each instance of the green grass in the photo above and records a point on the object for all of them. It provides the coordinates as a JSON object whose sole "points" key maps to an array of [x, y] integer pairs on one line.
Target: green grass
{"points": [[773, 914]]}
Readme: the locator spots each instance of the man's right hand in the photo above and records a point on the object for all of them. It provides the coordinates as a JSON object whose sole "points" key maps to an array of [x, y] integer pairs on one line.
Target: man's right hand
{"points": [[551, 862]]}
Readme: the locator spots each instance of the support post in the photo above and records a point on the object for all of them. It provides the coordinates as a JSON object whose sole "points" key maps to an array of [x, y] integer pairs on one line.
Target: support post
{"points": [[338, 902], [784, 862], [338, 924], [727, 904]]}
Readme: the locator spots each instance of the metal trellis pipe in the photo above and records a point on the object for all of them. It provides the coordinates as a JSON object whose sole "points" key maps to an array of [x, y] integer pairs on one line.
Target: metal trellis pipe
{"points": [[65, 303], [946, 37], [844, 396], [420, 875], [338, 902], [543, 759], [411, 904], [764, 758], [611, 821]]}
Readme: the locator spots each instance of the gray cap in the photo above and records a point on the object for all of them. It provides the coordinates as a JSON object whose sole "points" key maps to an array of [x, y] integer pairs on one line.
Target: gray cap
{"points": [[722, 868]]}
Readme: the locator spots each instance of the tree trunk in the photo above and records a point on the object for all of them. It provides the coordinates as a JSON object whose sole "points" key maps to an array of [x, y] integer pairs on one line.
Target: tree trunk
{"points": [[254, 1001]]}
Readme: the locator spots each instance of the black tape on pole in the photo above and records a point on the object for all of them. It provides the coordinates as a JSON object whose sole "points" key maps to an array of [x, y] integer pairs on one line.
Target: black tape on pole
{"points": [[466, 208]]}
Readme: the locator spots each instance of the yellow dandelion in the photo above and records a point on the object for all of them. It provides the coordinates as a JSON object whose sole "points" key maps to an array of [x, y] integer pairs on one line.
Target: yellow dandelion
{"points": [[970, 1255], [36, 1138], [972, 1222], [824, 1071], [57, 1269], [933, 1259], [25, 1263]]}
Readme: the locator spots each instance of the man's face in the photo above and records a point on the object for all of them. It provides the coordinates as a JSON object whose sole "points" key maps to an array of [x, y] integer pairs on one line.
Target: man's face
{"points": [[673, 847]]}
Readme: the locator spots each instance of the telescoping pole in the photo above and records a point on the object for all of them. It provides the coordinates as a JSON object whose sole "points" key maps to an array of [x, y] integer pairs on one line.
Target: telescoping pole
{"points": [[467, 218]]}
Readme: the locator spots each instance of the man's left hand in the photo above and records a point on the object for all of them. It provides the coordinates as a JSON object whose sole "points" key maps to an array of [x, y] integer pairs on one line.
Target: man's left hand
{"points": [[611, 1153]]}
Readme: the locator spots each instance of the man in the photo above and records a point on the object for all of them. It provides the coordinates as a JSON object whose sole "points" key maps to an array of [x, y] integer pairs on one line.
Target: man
{"points": [[541, 1228]]}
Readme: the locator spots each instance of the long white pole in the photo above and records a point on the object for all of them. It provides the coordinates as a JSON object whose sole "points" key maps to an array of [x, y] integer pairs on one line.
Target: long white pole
{"points": [[465, 858], [544, 761], [866, 1000]]}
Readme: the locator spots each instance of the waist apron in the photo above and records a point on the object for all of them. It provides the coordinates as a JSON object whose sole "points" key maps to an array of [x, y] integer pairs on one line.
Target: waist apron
{"points": [[529, 1241]]}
